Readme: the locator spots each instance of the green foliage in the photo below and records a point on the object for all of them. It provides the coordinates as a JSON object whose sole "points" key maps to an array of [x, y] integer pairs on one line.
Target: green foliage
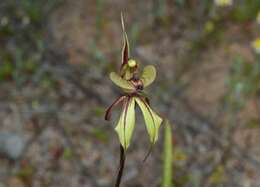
{"points": [[179, 156], [243, 83], [209, 27], [98, 111], [218, 176], [180, 2], [26, 171], [47, 81], [99, 17], [246, 11], [36, 10], [33, 9], [6, 70], [22, 27], [35, 104], [253, 123], [167, 165], [67, 154], [100, 134], [160, 11]]}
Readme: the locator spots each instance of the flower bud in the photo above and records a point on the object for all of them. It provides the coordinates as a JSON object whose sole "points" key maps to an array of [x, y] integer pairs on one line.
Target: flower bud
{"points": [[132, 63]]}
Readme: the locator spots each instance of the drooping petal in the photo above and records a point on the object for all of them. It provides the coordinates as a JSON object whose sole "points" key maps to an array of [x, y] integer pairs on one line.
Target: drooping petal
{"points": [[148, 75], [119, 81], [115, 103], [152, 120], [126, 123]]}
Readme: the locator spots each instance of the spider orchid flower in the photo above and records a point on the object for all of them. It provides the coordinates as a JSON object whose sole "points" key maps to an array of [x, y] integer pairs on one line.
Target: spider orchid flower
{"points": [[132, 84]]}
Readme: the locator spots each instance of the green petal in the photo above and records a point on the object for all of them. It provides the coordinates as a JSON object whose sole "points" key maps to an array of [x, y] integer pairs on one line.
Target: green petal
{"points": [[152, 120], [119, 81], [126, 123], [148, 75], [128, 74]]}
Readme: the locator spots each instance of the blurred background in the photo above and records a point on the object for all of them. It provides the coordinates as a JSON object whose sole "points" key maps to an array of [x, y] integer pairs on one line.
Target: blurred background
{"points": [[55, 57]]}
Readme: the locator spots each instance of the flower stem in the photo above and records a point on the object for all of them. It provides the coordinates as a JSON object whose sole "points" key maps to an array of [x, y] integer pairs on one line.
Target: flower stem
{"points": [[121, 166]]}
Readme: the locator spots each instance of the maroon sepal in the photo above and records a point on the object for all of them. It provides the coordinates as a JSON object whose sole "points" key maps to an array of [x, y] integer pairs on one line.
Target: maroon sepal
{"points": [[115, 103], [125, 49]]}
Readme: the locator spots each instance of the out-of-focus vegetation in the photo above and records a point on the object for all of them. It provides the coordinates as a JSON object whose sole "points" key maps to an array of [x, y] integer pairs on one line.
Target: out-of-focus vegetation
{"points": [[167, 166], [55, 57], [22, 34]]}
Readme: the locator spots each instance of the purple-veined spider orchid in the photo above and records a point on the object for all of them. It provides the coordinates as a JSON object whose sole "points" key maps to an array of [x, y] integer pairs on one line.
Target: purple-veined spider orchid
{"points": [[132, 83]]}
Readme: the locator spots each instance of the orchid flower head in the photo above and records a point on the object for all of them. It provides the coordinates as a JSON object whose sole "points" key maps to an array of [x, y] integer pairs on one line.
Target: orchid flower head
{"points": [[132, 84]]}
